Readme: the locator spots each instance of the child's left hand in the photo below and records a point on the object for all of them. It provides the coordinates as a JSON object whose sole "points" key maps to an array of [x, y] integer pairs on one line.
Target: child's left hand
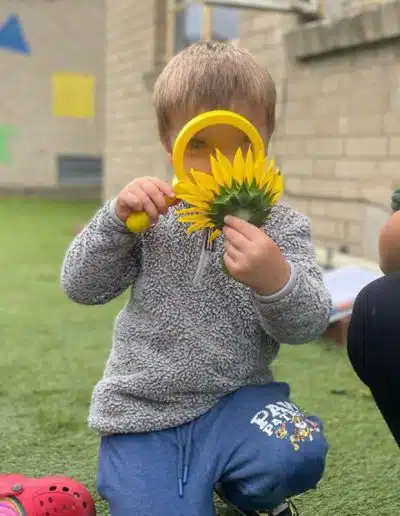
{"points": [[253, 258]]}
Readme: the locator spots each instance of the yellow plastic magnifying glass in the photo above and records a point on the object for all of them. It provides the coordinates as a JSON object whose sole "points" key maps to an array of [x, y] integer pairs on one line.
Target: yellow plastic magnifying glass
{"points": [[139, 221]]}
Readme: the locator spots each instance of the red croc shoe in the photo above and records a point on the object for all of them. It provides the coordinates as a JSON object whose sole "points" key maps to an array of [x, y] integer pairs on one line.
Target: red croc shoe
{"points": [[48, 496]]}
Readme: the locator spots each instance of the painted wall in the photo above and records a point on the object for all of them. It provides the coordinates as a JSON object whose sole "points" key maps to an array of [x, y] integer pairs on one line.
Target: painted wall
{"points": [[51, 87]]}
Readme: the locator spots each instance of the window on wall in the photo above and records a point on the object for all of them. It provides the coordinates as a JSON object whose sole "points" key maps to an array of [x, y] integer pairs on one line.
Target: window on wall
{"points": [[73, 170], [192, 21]]}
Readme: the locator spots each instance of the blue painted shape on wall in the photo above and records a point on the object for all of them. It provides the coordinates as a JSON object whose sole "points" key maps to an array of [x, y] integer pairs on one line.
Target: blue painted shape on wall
{"points": [[12, 36]]}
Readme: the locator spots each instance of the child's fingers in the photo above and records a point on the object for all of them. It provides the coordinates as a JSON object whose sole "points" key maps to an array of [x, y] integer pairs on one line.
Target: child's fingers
{"points": [[145, 194], [164, 187], [235, 238], [155, 195], [147, 204], [128, 200]]}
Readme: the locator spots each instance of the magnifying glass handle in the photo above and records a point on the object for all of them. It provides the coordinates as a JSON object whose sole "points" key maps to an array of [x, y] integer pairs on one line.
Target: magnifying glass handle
{"points": [[139, 221]]}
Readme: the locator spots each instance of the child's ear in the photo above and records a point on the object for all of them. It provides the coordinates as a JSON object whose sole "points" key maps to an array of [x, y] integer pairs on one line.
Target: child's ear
{"points": [[167, 148]]}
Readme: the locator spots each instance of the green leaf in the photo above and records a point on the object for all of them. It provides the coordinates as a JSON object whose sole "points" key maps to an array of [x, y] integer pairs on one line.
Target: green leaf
{"points": [[396, 200]]}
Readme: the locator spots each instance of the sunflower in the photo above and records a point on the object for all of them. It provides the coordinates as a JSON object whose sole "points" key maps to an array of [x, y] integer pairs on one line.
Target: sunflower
{"points": [[247, 188]]}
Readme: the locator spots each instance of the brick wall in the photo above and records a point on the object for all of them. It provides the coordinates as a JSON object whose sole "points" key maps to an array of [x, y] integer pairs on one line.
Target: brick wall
{"points": [[63, 36], [337, 143], [350, 7], [338, 129], [135, 48]]}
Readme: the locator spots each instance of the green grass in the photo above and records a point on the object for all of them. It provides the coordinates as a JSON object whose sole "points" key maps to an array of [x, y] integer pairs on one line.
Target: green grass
{"points": [[54, 351]]}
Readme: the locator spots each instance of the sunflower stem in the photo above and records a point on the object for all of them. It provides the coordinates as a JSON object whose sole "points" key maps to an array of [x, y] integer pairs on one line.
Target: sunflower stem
{"points": [[243, 214]]}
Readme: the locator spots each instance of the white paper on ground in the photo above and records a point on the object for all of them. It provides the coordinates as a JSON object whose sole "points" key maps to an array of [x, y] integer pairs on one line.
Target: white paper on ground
{"points": [[344, 284]]}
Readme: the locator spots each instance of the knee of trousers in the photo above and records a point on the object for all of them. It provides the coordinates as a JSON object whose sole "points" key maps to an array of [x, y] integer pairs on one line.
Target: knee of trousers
{"points": [[306, 465], [299, 470]]}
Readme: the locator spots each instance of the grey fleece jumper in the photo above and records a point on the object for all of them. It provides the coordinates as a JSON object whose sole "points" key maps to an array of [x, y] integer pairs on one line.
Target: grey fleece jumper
{"points": [[189, 334]]}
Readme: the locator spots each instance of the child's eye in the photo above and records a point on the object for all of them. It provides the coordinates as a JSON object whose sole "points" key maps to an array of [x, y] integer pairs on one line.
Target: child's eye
{"points": [[197, 144]]}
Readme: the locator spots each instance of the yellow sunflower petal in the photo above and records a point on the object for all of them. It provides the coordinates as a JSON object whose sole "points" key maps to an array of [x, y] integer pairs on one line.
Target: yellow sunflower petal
{"points": [[250, 167], [186, 187], [239, 167], [225, 167], [193, 190], [268, 175], [187, 211], [272, 166], [279, 187], [198, 226], [259, 160], [205, 181], [196, 217], [274, 198], [215, 234], [275, 180], [275, 187], [194, 201], [259, 170], [216, 171]]}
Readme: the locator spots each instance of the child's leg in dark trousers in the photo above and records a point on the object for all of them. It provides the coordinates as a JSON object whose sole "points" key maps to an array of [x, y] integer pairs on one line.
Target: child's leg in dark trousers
{"points": [[255, 443], [269, 450], [373, 345]]}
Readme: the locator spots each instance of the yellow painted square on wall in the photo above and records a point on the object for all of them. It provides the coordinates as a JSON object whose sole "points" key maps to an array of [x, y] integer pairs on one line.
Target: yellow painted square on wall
{"points": [[73, 95]]}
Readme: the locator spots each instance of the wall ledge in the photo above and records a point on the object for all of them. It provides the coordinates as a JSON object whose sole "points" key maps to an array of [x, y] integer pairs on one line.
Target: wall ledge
{"points": [[60, 193], [377, 23]]}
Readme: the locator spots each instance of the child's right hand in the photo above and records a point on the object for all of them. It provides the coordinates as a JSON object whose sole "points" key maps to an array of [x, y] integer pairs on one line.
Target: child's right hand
{"points": [[144, 194]]}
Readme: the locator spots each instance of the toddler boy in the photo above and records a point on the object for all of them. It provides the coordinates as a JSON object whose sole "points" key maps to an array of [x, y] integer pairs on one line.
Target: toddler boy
{"points": [[187, 402]]}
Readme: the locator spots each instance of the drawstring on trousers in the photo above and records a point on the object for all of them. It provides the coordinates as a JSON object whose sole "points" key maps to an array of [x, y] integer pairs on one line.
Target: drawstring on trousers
{"points": [[184, 455]]}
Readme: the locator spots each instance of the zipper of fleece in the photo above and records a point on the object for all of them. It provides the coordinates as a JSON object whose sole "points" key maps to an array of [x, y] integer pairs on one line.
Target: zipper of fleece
{"points": [[205, 255]]}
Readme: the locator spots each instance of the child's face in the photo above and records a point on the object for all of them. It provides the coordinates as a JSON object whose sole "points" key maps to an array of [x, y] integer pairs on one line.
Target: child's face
{"points": [[225, 138]]}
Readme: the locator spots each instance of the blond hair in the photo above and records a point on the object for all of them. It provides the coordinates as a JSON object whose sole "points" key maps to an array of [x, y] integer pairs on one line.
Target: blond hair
{"points": [[212, 75]]}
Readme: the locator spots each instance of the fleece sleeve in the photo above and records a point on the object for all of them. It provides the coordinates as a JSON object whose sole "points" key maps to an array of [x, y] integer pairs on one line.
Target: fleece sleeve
{"points": [[299, 312], [102, 261]]}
